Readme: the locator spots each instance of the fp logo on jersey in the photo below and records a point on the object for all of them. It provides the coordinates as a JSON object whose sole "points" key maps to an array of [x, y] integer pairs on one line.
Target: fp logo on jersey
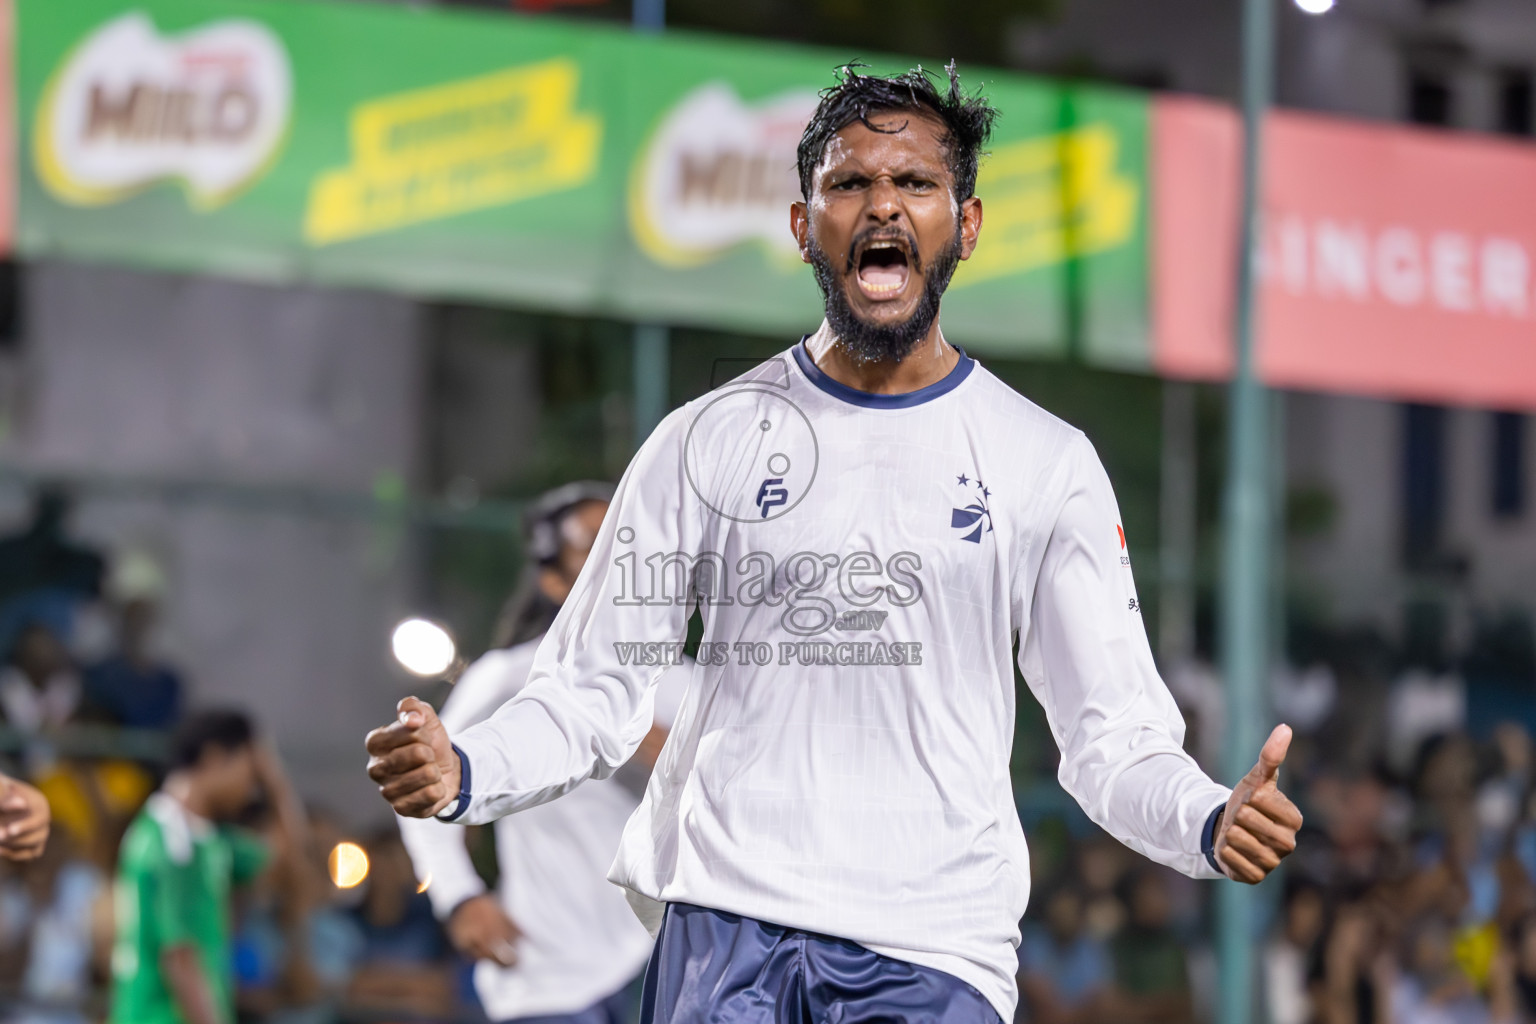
{"points": [[771, 495]]}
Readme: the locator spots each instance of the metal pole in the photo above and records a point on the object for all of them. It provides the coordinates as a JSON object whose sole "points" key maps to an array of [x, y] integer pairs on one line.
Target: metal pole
{"points": [[1176, 560], [1245, 568], [652, 359], [652, 346]]}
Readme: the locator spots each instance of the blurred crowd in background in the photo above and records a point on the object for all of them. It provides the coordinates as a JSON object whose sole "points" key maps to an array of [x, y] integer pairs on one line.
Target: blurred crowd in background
{"points": [[87, 702]]}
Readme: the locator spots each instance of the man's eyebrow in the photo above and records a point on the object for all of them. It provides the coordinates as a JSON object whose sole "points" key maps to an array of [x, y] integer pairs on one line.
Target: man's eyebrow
{"points": [[850, 164]]}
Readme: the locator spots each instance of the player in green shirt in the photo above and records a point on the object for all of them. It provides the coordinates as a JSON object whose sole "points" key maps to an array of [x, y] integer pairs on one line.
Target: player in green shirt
{"points": [[176, 867]]}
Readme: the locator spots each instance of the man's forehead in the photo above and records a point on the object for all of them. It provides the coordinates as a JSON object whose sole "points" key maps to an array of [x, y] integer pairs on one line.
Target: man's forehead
{"points": [[912, 137]]}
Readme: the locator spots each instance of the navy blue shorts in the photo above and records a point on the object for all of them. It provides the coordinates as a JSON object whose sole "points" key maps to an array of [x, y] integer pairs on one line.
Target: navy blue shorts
{"points": [[711, 967]]}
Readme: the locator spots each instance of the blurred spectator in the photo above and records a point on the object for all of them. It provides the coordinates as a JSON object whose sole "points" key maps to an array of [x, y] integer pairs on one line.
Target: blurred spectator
{"points": [[1356, 815], [133, 686], [1500, 797], [1349, 974], [1102, 866], [1064, 972], [39, 688], [1151, 975], [297, 946], [1523, 963], [1430, 987], [1289, 955], [40, 693], [406, 965], [57, 904], [1423, 704], [178, 864]]}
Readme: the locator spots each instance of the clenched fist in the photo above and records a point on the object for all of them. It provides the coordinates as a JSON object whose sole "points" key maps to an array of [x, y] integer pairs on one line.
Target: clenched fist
{"points": [[1259, 824], [413, 762]]}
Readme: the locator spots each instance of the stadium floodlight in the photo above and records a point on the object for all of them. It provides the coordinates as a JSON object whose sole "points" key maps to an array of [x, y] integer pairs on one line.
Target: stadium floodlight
{"points": [[1315, 6], [349, 865], [423, 647]]}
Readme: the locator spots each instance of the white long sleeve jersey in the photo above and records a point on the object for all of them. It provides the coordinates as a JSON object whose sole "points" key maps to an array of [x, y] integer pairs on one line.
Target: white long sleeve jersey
{"points": [[862, 564]]}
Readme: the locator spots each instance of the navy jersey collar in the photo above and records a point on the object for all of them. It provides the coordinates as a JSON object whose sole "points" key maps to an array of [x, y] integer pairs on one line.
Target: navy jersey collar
{"points": [[868, 400]]}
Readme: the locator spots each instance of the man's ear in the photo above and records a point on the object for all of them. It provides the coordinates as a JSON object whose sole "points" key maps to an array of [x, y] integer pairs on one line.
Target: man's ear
{"points": [[800, 227], [970, 226]]}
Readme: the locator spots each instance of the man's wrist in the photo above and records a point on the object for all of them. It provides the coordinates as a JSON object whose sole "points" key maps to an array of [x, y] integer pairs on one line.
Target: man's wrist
{"points": [[1208, 838], [465, 900], [455, 808]]}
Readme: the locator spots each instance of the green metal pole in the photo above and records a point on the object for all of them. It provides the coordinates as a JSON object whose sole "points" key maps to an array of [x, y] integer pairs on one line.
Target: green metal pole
{"points": [[652, 342], [652, 352], [1245, 565]]}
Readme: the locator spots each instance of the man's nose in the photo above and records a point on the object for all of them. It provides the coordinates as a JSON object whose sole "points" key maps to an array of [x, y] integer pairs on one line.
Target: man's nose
{"points": [[885, 204]]}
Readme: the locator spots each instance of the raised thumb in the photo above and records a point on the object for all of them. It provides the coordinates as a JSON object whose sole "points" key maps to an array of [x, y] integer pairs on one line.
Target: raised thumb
{"points": [[1272, 756]]}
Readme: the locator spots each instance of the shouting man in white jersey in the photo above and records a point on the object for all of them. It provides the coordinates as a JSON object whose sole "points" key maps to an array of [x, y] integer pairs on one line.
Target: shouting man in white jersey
{"points": [[868, 525]]}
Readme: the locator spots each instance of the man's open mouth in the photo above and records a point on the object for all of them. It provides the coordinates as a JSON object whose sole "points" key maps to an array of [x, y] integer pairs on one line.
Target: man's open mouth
{"points": [[883, 269]]}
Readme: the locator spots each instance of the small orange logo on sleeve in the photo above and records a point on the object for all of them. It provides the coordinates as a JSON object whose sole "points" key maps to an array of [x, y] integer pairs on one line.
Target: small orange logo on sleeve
{"points": [[1121, 530]]}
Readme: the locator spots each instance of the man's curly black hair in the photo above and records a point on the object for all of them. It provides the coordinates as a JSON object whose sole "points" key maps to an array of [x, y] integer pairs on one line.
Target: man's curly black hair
{"points": [[967, 120]]}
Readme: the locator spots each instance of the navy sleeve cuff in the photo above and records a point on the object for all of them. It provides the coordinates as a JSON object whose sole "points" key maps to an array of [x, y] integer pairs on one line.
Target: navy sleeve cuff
{"points": [[462, 803], [1208, 839]]}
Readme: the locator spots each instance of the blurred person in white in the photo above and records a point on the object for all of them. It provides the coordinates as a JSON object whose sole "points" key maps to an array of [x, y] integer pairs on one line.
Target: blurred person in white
{"points": [[39, 688], [556, 941], [1501, 797], [837, 824], [51, 910]]}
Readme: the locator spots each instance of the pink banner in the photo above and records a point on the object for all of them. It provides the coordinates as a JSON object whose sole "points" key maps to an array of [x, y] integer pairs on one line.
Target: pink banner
{"points": [[1394, 261]]}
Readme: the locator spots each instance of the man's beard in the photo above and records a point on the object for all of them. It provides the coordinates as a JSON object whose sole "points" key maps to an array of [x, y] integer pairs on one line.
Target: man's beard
{"points": [[863, 341]]}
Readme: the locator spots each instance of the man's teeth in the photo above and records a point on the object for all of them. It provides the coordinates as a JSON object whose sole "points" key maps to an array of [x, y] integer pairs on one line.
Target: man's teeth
{"points": [[883, 278]]}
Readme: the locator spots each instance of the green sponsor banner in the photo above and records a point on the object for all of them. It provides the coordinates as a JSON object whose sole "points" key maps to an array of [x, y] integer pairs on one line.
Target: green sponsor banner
{"points": [[519, 160]]}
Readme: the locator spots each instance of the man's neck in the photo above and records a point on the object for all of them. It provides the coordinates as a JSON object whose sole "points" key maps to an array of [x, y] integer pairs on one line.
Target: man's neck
{"points": [[181, 787], [929, 362]]}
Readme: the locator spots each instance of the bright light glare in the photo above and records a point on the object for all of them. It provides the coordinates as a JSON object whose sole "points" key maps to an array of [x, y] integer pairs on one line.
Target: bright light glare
{"points": [[423, 647], [349, 865], [426, 883], [1315, 6]]}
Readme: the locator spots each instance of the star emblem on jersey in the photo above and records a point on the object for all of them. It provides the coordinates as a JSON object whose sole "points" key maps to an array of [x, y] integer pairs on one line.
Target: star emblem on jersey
{"points": [[975, 517]]}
